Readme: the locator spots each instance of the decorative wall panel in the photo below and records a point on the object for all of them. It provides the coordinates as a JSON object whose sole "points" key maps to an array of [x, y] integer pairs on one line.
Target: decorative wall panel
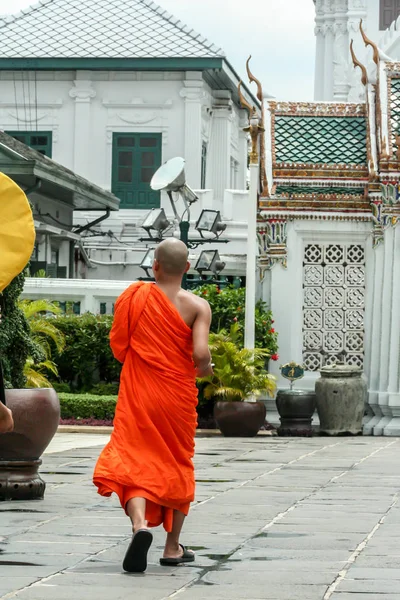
{"points": [[333, 305]]}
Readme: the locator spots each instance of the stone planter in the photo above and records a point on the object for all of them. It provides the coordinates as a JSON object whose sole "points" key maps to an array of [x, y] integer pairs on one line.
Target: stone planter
{"points": [[36, 414], [239, 419], [296, 409], [341, 395]]}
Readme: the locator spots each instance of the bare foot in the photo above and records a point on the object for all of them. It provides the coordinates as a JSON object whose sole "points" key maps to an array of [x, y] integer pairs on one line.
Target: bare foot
{"points": [[175, 551], [6, 419]]}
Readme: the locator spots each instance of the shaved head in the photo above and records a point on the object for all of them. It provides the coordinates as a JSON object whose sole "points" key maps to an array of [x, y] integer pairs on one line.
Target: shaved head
{"points": [[172, 257]]}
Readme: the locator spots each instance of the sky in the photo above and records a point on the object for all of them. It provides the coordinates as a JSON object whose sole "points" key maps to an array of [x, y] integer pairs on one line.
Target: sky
{"points": [[281, 42]]}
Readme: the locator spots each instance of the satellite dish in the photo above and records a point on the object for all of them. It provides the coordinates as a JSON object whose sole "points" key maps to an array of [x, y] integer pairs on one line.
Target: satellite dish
{"points": [[170, 177]]}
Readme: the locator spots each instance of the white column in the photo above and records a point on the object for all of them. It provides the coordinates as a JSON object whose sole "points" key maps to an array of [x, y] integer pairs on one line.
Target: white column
{"points": [[376, 284], [193, 93], [319, 60], [219, 158], [341, 57], [328, 60], [251, 264], [384, 337], [393, 427], [83, 93], [243, 153]]}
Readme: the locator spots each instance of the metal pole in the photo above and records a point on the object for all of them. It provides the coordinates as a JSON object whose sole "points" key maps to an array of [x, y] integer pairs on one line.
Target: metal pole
{"points": [[251, 264], [184, 237]]}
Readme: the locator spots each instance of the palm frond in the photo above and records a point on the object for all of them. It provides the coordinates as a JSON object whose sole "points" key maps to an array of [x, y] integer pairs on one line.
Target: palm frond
{"points": [[238, 372], [42, 329], [33, 308], [35, 378]]}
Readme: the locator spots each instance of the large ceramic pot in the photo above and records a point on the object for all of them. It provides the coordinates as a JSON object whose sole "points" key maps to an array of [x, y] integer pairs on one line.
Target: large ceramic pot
{"points": [[341, 396], [296, 409], [239, 419], [36, 414]]}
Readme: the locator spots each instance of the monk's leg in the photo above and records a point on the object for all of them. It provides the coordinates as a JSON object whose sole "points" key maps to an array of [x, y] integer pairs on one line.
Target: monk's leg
{"points": [[172, 547], [136, 509]]}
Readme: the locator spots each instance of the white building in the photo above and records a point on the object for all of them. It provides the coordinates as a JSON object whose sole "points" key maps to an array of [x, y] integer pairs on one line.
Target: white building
{"points": [[114, 89], [337, 23]]}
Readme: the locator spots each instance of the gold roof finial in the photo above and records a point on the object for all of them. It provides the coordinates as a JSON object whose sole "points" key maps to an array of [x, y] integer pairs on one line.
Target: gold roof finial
{"points": [[356, 63], [368, 42], [244, 104], [255, 80]]}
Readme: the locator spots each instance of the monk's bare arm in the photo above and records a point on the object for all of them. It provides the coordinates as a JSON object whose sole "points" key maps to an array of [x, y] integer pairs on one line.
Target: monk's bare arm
{"points": [[6, 420], [201, 330]]}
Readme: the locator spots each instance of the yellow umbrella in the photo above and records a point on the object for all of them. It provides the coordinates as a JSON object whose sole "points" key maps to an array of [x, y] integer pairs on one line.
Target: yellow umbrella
{"points": [[17, 231]]}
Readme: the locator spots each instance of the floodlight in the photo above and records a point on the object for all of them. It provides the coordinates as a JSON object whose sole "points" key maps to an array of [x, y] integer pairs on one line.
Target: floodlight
{"points": [[156, 220], [209, 260], [210, 220], [147, 261]]}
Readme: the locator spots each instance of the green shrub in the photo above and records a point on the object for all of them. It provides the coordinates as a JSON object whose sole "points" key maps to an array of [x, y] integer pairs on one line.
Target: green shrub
{"points": [[105, 389], [87, 358], [62, 387], [87, 406], [228, 307]]}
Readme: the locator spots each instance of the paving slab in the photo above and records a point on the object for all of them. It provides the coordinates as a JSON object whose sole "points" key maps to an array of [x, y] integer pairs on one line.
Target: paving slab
{"points": [[273, 518]]}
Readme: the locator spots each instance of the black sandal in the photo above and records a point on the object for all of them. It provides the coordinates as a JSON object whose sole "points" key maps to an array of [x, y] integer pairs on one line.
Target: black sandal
{"points": [[135, 560], [187, 556]]}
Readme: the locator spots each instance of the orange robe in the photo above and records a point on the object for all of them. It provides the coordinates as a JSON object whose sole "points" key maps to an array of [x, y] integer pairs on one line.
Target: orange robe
{"points": [[151, 448]]}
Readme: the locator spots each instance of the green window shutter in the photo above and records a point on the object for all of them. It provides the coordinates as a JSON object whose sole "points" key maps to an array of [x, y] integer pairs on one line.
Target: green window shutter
{"points": [[42, 141], [135, 159]]}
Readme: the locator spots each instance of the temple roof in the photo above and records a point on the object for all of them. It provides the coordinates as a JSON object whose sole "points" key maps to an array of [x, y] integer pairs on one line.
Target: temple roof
{"points": [[100, 29], [318, 133], [330, 140], [319, 155]]}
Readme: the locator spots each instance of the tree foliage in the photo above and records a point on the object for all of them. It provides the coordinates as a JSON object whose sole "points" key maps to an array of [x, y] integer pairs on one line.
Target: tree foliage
{"points": [[228, 307], [16, 343]]}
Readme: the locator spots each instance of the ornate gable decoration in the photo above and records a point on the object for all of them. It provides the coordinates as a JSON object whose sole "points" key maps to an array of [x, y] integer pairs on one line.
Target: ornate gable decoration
{"points": [[319, 156]]}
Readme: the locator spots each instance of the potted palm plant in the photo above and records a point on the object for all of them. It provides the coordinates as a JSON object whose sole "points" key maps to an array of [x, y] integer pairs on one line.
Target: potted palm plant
{"points": [[239, 377]]}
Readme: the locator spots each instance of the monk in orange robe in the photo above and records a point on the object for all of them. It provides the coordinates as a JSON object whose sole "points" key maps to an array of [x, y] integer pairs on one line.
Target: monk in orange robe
{"points": [[160, 334]]}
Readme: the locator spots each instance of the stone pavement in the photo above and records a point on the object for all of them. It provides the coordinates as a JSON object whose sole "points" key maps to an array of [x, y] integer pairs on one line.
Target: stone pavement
{"points": [[276, 519]]}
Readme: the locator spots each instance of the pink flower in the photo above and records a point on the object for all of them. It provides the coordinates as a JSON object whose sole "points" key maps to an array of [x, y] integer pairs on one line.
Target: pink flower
{"points": [[235, 319]]}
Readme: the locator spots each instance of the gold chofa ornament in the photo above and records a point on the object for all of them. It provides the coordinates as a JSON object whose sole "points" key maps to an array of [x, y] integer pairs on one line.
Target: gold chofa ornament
{"points": [[17, 231]]}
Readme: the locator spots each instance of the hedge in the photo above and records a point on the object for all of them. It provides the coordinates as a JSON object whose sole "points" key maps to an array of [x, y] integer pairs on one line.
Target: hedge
{"points": [[87, 406]]}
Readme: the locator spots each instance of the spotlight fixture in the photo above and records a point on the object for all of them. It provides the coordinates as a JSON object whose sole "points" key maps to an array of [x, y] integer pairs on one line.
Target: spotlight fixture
{"points": [[210, 220], [147, 261], [156, 220], [209, 260]]}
